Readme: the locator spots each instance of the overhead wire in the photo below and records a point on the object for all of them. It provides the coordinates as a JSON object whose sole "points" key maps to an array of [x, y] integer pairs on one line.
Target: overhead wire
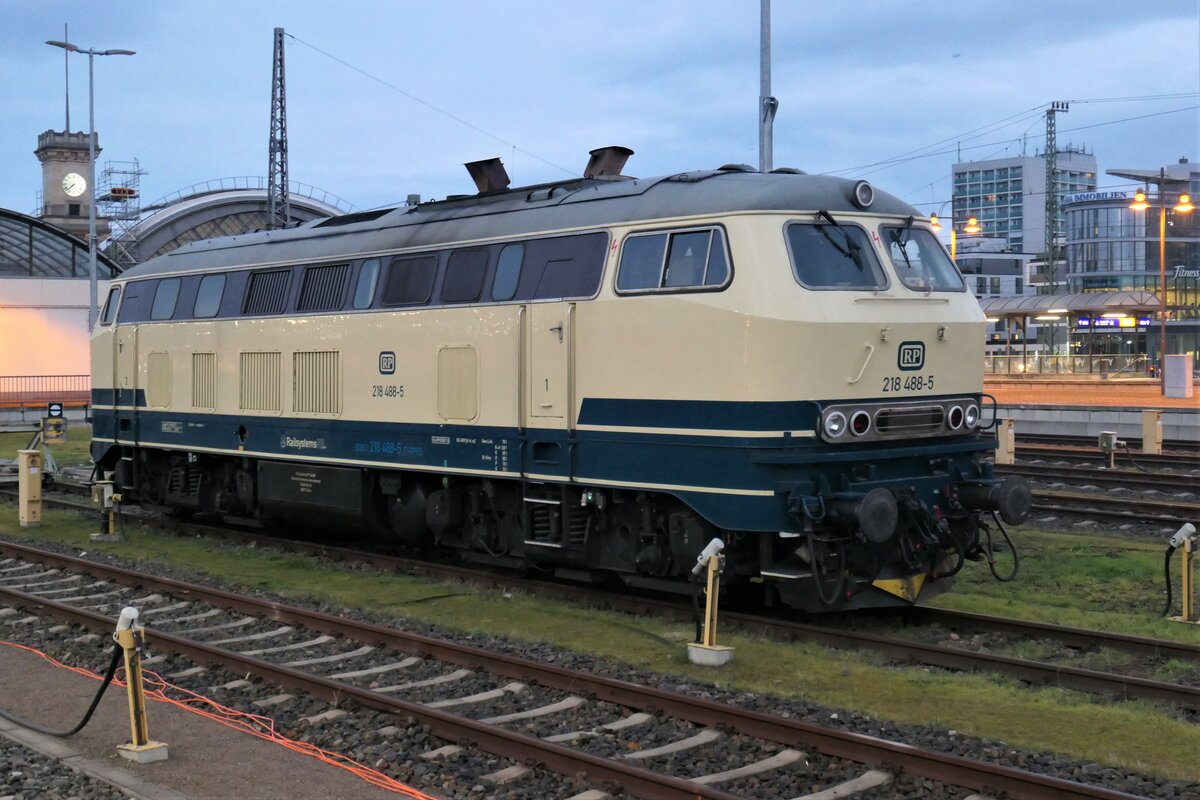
{"points": [[514, 147]]}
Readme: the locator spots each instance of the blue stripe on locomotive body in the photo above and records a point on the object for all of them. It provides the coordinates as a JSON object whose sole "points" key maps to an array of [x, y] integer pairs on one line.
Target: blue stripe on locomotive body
{"points": [[736, 483]]}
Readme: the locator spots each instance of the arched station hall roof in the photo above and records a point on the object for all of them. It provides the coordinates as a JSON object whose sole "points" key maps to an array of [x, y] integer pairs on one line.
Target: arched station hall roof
{"points": [[223, 207], [33, 248], [1074, 304]]}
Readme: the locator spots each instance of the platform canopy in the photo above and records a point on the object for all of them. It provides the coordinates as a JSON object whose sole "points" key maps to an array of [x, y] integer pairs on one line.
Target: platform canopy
{"points": [[1081, 304]]}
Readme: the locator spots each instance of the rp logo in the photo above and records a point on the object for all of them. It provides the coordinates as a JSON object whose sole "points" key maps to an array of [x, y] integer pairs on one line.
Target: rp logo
{"points": [[387, 363], [911, 356]]}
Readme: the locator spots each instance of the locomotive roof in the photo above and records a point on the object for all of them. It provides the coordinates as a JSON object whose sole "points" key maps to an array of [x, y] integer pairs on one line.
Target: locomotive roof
{"points": [[573, 204]]}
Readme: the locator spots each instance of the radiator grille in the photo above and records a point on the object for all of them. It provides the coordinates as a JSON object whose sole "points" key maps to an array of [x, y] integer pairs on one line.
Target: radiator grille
{"points": [[317, 382], [158, 380], [912, 419], [259, 382], [267, 292], [204, 380], [323, 288]]}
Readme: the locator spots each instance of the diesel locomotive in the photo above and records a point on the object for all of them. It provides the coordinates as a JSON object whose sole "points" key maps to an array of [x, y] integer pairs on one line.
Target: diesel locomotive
{"points": [[593, 377]]}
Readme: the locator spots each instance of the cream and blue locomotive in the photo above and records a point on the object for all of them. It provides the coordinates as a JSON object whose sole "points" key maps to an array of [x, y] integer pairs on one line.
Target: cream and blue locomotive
{"points": [[594, 377]]}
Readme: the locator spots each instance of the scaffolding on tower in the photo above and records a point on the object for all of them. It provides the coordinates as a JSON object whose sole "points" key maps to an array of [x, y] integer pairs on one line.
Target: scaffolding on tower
{"points": [[118, 199]]}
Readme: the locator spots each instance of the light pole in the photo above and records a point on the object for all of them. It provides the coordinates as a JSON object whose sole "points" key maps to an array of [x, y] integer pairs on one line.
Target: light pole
{"points": [[91, 53], [1184, 206], [972, 227]]}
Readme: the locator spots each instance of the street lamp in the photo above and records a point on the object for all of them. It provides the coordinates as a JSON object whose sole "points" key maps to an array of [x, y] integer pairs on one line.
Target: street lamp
{"points": [[972, 227], [91, 53], [1184, 206]]}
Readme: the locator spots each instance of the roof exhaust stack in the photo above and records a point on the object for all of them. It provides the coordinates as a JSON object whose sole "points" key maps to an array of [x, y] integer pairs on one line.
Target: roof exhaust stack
{"points": [[489, 175], [607, 162]]}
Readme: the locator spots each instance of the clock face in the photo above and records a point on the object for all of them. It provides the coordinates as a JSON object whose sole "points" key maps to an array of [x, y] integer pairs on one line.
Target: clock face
{"points": [[74, 184]]}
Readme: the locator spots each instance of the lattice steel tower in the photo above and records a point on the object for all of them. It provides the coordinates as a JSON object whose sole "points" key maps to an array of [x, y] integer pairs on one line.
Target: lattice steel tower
{"points": [[279, 211], [1051, 159]]}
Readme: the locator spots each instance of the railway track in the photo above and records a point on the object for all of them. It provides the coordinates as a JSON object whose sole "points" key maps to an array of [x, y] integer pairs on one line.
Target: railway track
{"points": [[319, 654], [837, 635], [1164, 482], [1085, 454], [1089, 505]]}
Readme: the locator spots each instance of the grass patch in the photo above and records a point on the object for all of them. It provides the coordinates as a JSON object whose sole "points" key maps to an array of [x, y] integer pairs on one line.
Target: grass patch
{"points": [[1133, 735], [74, 452]]}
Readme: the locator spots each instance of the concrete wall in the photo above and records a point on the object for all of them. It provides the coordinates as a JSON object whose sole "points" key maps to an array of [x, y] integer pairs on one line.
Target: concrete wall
{"points": [[43, 326]]}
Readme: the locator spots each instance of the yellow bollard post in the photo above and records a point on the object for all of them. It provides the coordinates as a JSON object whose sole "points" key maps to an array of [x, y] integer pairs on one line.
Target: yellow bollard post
{"points": [[1152, 434], [1006, 448], [707, 652], [131, 636], [29, 491]]}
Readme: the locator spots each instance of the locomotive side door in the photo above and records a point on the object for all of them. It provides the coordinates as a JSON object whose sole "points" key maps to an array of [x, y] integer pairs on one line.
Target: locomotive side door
{"points": [[125, 383], [548, 410]]}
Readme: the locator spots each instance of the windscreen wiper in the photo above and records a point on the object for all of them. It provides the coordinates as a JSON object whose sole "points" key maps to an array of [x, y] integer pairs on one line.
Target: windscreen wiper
{"points": [[850, 250]]}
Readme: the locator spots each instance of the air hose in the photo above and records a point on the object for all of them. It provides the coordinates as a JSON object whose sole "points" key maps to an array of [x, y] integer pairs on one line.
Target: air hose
{"points": [[1012, 548], [108, 677]]}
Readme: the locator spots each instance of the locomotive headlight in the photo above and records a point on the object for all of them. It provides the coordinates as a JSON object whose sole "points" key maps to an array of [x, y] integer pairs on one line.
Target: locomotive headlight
{"points": [[835, 424], [864, 195], [954, 417], [972, 415], [860, 423]]}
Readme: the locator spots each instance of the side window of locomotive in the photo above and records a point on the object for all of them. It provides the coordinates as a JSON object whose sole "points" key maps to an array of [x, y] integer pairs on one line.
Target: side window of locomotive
{"points": [[164, 299], [920, 261], [409, 281], [368, 278], [208, 296], [833, 257], [464, 276], [110, 306], [508, 272], [641, 262], [267, 292], [566, 266], [323, 288], [679, 260]]}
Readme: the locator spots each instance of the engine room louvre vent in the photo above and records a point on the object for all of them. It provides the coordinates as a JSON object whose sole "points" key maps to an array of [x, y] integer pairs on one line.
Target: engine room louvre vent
{"points": [[204, 380], [267, 292], [317, 382], [323, 288], [258, 374], [158, 380], [919, 419]]}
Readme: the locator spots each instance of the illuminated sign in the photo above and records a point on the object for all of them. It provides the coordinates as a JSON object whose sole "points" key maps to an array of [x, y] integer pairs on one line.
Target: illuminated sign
{"points": [[1113, 322], [1083, 197]]}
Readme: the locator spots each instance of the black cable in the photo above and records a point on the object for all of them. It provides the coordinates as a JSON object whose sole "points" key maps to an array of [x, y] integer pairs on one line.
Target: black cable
{"points": [[1132, 460], [696, 608], [841, 573], [1011, 547], [1167, 575], [108, 676]]}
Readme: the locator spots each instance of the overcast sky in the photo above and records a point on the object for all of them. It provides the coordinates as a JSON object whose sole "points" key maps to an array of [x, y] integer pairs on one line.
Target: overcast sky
{"points": [[541, 83]]}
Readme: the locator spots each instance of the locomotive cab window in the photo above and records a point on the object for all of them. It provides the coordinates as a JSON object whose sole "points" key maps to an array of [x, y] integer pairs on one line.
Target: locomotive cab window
{"points": [[208, 296], [409, 281], [164, 299], [110, 305], [692, 259], [920, 261], [838, 257]]}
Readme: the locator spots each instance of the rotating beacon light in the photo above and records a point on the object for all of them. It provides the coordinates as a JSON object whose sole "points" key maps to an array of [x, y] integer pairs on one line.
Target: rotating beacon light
{"points": [[706, 651]]}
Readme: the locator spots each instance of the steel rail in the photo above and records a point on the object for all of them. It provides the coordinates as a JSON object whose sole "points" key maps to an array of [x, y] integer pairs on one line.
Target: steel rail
{"points": [[1093, 453], [1125, 478], [942, 767], [1075, 678]]}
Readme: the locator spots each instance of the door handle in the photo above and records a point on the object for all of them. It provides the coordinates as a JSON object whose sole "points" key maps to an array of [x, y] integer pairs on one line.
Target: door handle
{"points": [[559, 330]]}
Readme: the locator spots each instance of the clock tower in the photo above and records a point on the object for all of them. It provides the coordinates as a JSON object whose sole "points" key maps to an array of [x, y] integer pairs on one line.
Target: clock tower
{"points": [[66, 194]]}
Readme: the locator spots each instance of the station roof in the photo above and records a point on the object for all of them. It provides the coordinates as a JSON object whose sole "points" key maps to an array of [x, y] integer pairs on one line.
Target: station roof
{"points": [[1081, 303], [33, 248]]}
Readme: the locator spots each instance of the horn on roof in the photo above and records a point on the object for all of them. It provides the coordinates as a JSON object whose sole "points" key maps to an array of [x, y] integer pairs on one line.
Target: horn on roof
{"points": [[489, 175], [607, 162]]}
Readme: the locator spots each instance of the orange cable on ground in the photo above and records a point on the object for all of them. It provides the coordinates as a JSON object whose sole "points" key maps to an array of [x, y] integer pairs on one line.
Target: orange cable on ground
{"points": [[256, 725]]}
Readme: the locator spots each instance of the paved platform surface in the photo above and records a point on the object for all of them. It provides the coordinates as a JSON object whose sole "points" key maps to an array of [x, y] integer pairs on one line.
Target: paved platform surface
{"points": [[207, 761], [1111, 394]]}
